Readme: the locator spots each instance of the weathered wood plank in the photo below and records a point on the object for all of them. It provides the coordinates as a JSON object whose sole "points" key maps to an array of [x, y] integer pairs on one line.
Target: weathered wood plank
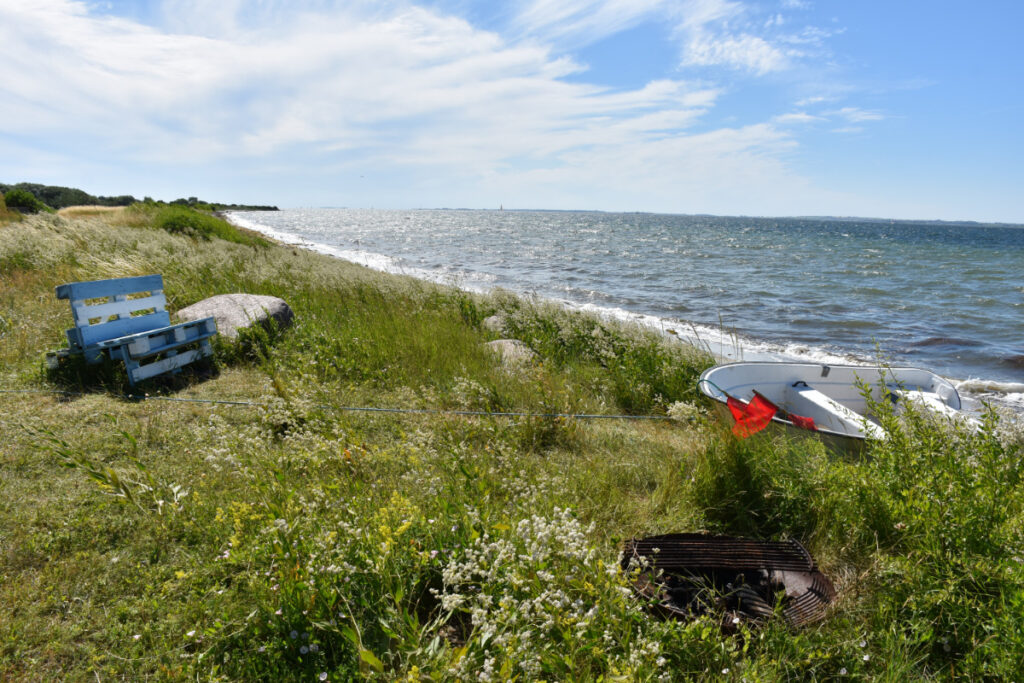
{"points": [[83, 312], [159, 367], [122, 327], [95, 289]]}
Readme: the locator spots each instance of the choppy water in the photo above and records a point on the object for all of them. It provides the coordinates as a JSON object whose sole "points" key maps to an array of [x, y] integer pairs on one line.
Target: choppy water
{"points": [[946, 297]]}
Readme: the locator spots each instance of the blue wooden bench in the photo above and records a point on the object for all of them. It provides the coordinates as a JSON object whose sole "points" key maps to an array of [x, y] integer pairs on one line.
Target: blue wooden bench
{"points": [[126, 319]]}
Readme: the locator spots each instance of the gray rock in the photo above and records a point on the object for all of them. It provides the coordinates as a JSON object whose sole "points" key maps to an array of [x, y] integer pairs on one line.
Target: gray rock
{"points": [[237, 311], [512, 351], [495, 323]]}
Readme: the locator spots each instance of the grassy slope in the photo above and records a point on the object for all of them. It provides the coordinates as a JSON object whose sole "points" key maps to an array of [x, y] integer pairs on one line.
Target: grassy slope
{"points": [[184, 539]]}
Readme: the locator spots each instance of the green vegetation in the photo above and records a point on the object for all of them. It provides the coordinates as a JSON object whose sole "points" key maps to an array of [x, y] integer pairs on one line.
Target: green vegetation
{"points": [[59, 197], [24, 202], [196, 203], [188, 221], [7, 215], [298, 541]]}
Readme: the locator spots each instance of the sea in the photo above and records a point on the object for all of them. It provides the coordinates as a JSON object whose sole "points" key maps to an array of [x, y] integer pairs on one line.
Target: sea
{"points": [[944, 296]]}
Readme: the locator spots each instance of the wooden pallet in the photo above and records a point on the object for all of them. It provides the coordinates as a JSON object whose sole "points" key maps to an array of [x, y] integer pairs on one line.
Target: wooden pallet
{"points": [[126, 319]]}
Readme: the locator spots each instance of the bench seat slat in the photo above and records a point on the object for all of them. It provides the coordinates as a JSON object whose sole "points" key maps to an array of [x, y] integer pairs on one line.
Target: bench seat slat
{"points": [[95, 289], [91, 335], [163, 339], [123, 308]]}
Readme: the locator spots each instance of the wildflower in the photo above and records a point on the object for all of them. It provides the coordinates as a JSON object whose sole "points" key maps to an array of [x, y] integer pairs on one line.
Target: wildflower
{"points": [[867, 657], [303, 649], [323, 675], [725, 671], [294, 635], [190, 633], [278, 612], [842, 672], [314, 648], [136, 636], [261, 648], [862, 643]]}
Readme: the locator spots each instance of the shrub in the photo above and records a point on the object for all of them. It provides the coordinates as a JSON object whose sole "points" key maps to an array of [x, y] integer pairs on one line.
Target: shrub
{"points": [[24, 202]]}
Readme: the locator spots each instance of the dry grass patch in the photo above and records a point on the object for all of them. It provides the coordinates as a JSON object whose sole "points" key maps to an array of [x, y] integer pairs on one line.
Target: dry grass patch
{"points": [[89, 211]]}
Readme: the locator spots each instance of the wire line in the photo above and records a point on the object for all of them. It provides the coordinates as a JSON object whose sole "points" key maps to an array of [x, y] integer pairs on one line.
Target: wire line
{"points": [[364, 409]]}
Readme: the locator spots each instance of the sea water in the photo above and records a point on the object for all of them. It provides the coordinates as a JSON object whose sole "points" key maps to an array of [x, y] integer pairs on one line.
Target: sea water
{"points": [[943, 296]]}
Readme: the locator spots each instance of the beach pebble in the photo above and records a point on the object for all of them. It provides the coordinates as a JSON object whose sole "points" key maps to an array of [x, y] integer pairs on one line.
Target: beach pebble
{"points": [[237, 311], [512, 351]]}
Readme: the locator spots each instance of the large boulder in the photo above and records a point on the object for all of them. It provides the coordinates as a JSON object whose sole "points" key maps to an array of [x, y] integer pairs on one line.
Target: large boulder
{"points": [[512, 351], [237, 311]]}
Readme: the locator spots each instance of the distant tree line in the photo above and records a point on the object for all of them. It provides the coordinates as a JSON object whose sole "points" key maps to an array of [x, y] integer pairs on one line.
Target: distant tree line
{"points": [[56, 197]]}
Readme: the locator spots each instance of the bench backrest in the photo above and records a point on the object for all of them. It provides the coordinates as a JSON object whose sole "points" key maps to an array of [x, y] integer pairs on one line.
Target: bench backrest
{"points": [[102, 309]]}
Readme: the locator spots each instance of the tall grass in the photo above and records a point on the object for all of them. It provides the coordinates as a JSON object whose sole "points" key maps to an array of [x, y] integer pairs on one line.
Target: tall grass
{"points": [[297, 540]]}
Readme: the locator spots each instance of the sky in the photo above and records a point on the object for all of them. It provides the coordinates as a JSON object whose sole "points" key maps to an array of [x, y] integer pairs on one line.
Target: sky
{"points": [[911, 109]]}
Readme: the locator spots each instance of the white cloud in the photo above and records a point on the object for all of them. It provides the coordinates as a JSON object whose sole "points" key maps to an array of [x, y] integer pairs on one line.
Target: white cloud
{"points": [[856, 115], [796, 118], [338, 79], [742, 51], [727, 33], [581, 21], [408, 92], [814, 99]]}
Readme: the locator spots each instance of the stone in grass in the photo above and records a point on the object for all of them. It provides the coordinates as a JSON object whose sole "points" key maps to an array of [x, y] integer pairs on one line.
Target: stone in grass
{"points": [[512, 351], [237, 311], [495, 323]]}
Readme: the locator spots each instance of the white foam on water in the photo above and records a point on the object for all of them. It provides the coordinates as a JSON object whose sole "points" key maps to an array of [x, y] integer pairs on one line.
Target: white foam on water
{"points": [[372, 260], [1009, 394], [720, 342]]}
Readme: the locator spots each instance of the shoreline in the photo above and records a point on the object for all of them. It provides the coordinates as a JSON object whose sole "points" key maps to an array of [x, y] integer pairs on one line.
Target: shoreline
{"points": [[722, 344]]}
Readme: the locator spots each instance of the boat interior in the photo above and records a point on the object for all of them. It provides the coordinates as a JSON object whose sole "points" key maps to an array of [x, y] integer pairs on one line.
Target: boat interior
{"points": [[834, 396]]}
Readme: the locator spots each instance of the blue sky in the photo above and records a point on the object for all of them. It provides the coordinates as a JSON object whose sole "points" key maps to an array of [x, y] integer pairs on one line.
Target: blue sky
{"points": [[906, 109]]}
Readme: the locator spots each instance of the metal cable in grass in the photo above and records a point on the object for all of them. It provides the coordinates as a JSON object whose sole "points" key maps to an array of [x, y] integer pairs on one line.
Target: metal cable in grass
{"points": [[364, 409]]}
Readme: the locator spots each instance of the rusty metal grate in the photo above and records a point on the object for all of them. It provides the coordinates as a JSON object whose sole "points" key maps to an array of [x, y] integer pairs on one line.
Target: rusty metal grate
{"points": [[686, 575]]}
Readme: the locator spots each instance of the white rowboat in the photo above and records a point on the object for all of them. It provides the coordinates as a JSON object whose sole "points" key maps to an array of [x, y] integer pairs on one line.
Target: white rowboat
{"points": [[831, 395]]}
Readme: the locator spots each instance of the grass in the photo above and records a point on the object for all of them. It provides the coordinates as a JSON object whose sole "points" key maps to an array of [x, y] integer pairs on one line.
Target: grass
{"points": [[166, 540], [88, 211]]}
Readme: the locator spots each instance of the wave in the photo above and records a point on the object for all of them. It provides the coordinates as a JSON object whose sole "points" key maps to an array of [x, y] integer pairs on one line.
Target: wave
{"points": [[1016, 361]]}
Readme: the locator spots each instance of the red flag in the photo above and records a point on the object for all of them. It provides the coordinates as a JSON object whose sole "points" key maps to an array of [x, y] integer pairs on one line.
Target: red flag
{"points": [[803, 422], [751, 417]]}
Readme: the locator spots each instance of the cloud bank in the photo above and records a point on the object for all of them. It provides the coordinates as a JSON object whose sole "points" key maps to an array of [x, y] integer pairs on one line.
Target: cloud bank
{"points": [[439, 110]]}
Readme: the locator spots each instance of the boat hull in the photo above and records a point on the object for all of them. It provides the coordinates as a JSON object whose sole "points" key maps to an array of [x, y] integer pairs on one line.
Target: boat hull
{"points": [[835, 396]]}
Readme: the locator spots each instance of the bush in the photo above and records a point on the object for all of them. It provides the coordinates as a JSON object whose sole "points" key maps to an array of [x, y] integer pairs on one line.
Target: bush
{"points": [[24, 202], [186, 221]]}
